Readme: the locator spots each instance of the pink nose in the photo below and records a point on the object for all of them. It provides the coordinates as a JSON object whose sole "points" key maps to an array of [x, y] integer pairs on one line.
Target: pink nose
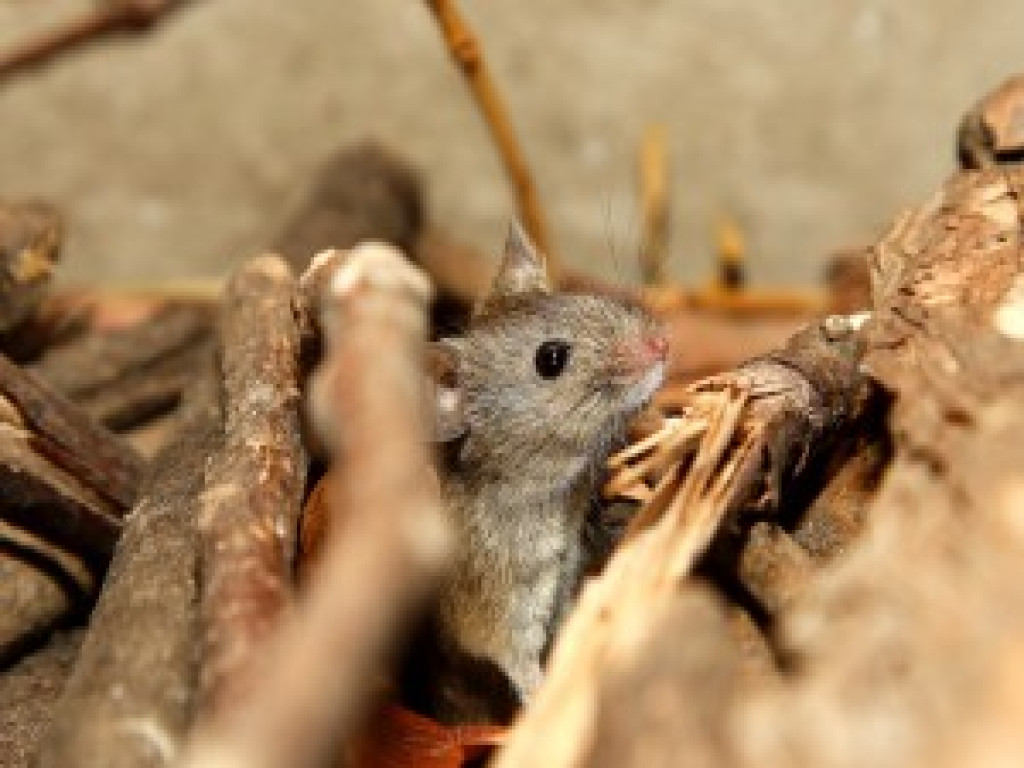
{"points": [[658, 346]]}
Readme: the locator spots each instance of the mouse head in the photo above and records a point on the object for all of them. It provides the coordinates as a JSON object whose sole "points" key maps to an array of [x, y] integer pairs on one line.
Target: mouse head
{"points": [[542, 376]]}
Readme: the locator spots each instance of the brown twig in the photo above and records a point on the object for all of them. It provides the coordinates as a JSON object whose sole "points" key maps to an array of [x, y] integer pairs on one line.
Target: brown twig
{"points": [[654, 204], [70, 439], [63, 479], [33, 595], [124, 377], [249, 507], [110, 18], [730, 250], [466, 51], [386, 548]]}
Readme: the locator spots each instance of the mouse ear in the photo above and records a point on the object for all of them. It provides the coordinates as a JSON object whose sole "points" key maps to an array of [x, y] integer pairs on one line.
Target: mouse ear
{"points": [[447, 394], [522, 269]]}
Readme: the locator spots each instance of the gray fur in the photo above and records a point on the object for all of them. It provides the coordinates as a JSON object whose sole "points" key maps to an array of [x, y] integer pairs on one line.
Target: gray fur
{"points": [[519, 481]]}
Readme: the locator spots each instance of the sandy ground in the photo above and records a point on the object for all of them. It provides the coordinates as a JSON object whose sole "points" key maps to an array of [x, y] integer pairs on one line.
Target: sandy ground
{"points": [[177, 153]]}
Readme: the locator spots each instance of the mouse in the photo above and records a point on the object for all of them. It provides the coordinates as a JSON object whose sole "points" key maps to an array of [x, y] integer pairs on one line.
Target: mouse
{"points": [[527, 405]]}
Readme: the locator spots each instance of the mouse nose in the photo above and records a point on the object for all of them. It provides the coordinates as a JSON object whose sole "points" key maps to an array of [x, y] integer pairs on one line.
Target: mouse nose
{"points": [[657, 346]]}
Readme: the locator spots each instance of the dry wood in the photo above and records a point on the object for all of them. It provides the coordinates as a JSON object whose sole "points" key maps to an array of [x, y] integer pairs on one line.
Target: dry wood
{"points": [[112, 16], [28, 692], [908, 652], [130, 695], [774, 569], [58, 320], [638, 589], [70, 439], [30, 237], [250, 504], [46, 500], [385, 549], [124, 377], [465, 49], [32, 597]]}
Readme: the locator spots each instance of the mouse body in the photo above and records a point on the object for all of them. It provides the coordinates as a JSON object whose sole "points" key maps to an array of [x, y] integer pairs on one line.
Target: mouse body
{"points": [[528, 404]]}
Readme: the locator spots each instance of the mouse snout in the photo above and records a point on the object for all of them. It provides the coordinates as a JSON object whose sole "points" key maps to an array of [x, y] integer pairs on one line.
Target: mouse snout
{"points": [[640, 354], [657, 346]]}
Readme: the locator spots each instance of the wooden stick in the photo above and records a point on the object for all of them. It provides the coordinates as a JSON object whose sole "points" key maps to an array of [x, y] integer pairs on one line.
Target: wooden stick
{"points": [[250, 505], [130, 696], [53, 504], [730, 250], [385, 550], [70, 439], [124, 377], [467, 53], [28, 692], [33, 596], [654, 205], [112, 17]]}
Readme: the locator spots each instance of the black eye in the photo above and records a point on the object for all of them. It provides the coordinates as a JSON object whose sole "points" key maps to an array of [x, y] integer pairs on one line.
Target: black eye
{"points": [[551, 358]]}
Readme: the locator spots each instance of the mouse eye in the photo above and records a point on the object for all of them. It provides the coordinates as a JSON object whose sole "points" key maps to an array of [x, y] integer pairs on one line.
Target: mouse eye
{"points": [[551, 359]]}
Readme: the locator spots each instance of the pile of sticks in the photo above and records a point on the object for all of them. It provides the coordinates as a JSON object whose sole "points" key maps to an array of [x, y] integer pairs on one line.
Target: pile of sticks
{"points": [[823, 544]]}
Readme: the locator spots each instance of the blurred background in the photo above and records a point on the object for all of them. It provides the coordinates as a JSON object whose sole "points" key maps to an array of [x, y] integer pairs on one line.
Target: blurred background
{"points": [[178, 152]]}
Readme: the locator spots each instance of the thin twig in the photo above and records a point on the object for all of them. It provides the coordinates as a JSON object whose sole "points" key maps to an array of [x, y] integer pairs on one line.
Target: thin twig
{"points": [[465, 49], [731, 252], [109, 18], [654, 201]]}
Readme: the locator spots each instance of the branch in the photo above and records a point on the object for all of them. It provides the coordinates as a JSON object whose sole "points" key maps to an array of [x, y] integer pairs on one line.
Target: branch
{"points": [[126, 376], [654, 204], [385, 550], [466, 51], [111, 18], [70, 439], [249, 508]]}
